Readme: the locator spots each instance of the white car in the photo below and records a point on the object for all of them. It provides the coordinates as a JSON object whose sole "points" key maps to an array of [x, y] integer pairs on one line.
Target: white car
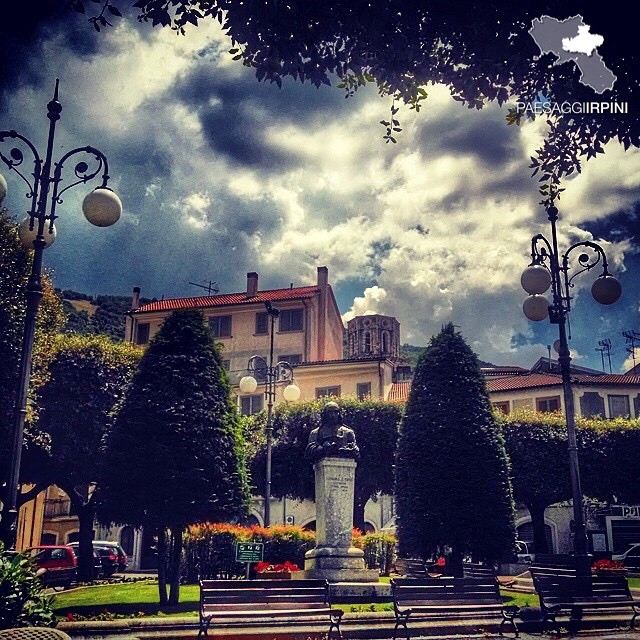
{"points": [[630, 558], [523, 551]]}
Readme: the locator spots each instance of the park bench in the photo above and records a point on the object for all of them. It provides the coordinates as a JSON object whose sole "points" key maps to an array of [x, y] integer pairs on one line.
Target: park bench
{"points": [[223, 600], [575, 594], [436, 598]]}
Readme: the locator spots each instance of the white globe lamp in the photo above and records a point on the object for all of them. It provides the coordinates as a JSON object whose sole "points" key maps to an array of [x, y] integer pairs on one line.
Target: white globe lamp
{"points": [[3, 188], [291, 392], [535, 279], [102, 207], [248, 384], [606, 289], [27, 236], [536, 307]]}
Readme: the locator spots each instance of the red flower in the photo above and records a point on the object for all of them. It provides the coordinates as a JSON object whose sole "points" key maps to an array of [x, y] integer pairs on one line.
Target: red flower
{"points": [[261, 567], [70, 616]]}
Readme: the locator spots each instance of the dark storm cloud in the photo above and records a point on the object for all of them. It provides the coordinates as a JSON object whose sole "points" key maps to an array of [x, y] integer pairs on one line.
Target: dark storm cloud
{"points": [[468, 132], [617, 226], [236, 112]]}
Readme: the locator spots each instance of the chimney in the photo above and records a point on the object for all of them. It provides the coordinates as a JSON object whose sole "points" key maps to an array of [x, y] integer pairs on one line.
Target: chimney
{"points": [[323, 277], [135, 298], [252, 284]]}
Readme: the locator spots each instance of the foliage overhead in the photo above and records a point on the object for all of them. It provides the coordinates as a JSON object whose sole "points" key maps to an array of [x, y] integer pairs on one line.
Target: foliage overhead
{"points": [[452, 475], [481, 54]]}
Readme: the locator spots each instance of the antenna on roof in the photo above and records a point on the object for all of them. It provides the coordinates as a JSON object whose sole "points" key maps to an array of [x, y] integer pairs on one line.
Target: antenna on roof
{"points": [[210, 288], [631, 337], [605, 347]]}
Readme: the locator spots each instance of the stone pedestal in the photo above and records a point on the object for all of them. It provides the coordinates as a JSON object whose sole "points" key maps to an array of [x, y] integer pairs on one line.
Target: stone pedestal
{"points": [[334, 558]]}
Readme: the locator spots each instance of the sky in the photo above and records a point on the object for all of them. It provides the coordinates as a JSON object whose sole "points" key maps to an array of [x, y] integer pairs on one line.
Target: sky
{"points": [[220, 175]]}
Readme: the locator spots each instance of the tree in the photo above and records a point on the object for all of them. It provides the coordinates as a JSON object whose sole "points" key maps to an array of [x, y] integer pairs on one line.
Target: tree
{"points": [[405, 45], [174, 456], [452, 476], [87, 377], [375, 425], [537, 448], [15, 264]]}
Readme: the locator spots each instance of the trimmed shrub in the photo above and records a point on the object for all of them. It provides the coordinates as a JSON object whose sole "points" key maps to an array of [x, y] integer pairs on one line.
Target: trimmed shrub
{"points": [[22, 599], [210, 548], [379, 550]]}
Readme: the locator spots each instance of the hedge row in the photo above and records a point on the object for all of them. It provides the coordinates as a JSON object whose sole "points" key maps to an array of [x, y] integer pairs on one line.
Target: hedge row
{"points": [[210, 548]]}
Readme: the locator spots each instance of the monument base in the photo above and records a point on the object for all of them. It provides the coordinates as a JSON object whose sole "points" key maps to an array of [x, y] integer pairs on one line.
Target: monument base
{"points": [[336, 565]]}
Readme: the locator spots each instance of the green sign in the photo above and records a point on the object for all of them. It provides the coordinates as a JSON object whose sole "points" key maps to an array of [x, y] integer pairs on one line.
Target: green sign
{"points": [[249, 551]]}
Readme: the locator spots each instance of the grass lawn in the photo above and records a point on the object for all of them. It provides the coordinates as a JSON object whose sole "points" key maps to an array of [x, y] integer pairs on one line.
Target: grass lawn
{"points": [[136, 598], [124, 598]]}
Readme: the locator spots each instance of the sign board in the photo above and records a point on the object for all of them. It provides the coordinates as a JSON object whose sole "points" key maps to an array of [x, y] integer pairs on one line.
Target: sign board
{"points": [[626, 511], [249, 551], [599, 542]]}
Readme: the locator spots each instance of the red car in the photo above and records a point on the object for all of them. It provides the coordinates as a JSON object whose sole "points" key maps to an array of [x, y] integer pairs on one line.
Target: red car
{"points": [[57, 564]]}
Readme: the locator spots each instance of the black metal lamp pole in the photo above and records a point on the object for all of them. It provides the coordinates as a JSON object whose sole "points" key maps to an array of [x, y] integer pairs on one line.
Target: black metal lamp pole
{"points": [[550, 269], [272, 376], [101, 207]]}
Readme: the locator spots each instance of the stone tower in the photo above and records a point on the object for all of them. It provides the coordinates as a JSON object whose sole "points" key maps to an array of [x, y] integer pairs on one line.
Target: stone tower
{"points": [[373, 335]]}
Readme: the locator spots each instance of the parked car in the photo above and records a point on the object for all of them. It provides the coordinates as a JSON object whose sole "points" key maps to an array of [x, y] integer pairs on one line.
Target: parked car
{"points": [[57, 564], [111, 554], [98, 567], [630, 558]]}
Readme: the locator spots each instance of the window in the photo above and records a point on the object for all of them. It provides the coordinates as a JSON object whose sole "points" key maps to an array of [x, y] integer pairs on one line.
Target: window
{"points": [[142, 333], [363, 390], [619, 407], [323, 392], [547, 405], [262, 322], [220, 326], [251, 404], [501, 406], [367, 342], [291, 358], [291, 320]]}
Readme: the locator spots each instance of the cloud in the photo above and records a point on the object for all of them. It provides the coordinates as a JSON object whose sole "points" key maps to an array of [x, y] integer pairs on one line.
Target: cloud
{"points": [[371, 303], [221, 175]]}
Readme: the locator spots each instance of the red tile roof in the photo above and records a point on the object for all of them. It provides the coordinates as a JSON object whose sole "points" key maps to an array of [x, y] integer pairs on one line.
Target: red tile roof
{"points": [[535, 380], [399, 392], [226, 299], [527, 381]]}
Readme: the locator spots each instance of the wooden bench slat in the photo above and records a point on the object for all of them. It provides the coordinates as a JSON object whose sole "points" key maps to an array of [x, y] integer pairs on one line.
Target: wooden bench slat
{"points": [[563, 592], [247, 599], [440, 596]]}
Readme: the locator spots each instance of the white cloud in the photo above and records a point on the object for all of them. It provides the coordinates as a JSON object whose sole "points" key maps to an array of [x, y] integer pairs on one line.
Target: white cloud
{"points": [[371, 303]]}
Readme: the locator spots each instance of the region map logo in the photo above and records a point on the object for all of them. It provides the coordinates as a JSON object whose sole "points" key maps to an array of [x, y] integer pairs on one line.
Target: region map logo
{"points": [[571, 40]]}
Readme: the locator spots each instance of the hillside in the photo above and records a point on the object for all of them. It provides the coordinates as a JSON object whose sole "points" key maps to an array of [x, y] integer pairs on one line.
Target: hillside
{"points": [[100, 314], [410, 353]]}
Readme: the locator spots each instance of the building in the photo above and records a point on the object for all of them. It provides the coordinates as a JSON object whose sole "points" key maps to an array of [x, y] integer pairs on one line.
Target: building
{"points": [[606, 395], [308, 329]]}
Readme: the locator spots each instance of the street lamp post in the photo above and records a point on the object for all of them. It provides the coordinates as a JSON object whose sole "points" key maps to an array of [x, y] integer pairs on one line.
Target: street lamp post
{"points": [[101, 207], [549, 269], [274, 373]]}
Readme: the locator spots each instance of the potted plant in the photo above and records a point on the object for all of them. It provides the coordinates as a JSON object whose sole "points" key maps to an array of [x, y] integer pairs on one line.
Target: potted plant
{"points": [[268, 571]]}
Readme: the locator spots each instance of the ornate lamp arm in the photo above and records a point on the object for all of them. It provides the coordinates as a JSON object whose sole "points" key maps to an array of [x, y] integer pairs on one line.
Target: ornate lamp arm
{"points": [[17, 158]]}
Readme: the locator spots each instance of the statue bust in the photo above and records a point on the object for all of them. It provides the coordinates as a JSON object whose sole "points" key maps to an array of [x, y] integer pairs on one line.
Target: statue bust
{"points": [[331, 439]]}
